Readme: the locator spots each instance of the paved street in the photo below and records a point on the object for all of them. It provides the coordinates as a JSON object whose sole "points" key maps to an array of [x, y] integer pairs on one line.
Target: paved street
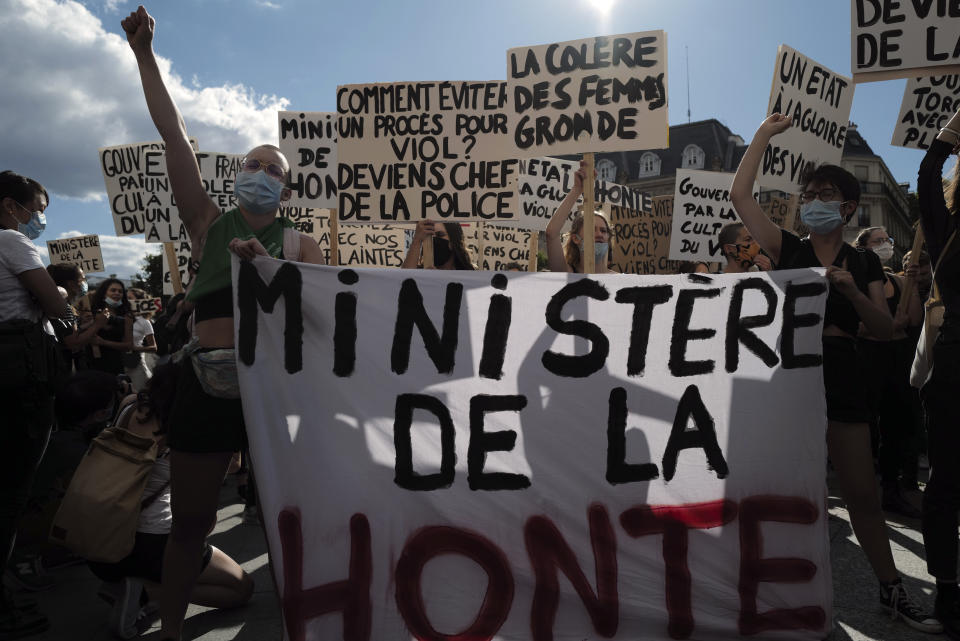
{"points": [[78, 614]]}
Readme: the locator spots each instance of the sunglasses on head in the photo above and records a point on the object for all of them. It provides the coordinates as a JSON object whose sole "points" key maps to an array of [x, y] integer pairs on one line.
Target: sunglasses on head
{"points": [[273, 169]]}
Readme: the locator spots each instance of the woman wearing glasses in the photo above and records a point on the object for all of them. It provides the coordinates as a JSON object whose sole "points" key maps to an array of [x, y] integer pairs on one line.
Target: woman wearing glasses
{"points": [[205, 430], [830, 197], [886, 370]]}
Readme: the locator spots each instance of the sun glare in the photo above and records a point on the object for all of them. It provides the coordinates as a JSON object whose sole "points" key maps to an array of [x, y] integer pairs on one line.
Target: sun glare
{"points": [[602, 6]]}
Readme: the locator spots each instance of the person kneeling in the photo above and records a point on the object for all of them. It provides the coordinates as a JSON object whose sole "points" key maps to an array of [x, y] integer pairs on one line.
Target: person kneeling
{"points": [[132, 584]]}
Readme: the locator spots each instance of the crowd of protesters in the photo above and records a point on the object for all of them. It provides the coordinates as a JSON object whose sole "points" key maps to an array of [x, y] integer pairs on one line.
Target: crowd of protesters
{"points": [[72, 362]]}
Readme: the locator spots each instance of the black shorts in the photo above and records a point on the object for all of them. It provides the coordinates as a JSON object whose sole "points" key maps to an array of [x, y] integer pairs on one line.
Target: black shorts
{"points": [[843, 381], [201, 423], [145, 561]]}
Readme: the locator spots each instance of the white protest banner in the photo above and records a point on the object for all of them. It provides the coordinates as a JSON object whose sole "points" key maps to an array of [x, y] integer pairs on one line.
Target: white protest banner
{"points": [[415, 150], [82, 251], [545, 182], [701, 209], [607, 93], [309, 141], [928, 104], [899, 39], [502, 246], [162, 219], [182, 251], [129, 179], [469, 446], [141, 306], [819, 102]]}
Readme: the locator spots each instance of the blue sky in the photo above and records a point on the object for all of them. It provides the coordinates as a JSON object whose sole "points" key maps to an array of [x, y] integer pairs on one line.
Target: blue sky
{"points": [[70, 81]]}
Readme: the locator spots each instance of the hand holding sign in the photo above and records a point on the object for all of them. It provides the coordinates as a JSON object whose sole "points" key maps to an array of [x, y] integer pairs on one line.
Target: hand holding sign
{"points": [[247, 249]]}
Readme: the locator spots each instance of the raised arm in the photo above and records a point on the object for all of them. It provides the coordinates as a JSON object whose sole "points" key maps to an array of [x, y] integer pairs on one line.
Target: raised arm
{"points": [[934, 216], [422, 234], [764, 230], [197, 210], [555, 259]]}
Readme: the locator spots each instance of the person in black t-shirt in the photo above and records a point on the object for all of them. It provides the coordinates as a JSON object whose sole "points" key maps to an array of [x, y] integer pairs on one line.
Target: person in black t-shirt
{"points": [[941, 501], [829, 198]]}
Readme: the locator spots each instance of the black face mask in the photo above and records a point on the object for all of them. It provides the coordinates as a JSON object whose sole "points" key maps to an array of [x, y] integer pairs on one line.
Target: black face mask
{"points": [[441, 251]]}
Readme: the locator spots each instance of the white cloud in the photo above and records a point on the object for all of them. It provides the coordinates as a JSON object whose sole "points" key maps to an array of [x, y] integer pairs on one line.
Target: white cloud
{"points": [[122, 255], [266, 4], [71, 86]]}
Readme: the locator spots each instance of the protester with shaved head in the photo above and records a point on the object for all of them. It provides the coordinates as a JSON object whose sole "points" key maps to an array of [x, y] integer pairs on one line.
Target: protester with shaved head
{"points": [[206, 421]]}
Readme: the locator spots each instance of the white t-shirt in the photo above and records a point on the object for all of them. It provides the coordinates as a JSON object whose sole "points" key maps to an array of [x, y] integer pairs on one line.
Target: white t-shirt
{"points": [[17, 255], [141, 329], [156, 518]]}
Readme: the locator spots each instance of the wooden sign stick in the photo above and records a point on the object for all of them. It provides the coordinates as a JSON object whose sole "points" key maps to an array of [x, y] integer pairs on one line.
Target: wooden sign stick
{"points": [[586, 234], [174, 268], [908, 284], [334, 238], [534, 246], [426, 252]]}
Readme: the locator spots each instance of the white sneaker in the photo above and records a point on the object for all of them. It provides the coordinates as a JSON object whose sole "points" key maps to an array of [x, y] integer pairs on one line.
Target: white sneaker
{"points": [[126, 609]]}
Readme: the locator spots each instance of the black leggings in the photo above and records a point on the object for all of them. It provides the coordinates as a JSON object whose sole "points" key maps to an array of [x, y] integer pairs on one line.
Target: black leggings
{"points": [[145, 561], [941, 500]]}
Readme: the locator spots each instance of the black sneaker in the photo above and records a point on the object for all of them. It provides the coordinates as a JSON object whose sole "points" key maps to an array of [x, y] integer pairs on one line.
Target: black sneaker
{"points": [[895, 600], [947, 609], [895, 502], [16, 623], [25, 572]]}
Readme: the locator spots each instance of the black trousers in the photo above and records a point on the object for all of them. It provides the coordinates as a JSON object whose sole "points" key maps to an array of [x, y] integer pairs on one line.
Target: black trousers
{"points": [[26, 416], [886, 371], [941, 500]]}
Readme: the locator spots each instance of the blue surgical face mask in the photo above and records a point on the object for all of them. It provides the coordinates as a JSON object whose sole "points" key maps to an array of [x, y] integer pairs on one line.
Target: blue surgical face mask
{"points": [[112, 303], [257, 192], [821, 217], [599, 251], [33, 227], [84, 288]]}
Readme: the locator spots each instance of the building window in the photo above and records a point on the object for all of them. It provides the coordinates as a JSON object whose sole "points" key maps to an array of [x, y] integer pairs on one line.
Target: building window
{"points": [[693, 157], [863, 216], [649, 165], [607, 170], [862, 172]]}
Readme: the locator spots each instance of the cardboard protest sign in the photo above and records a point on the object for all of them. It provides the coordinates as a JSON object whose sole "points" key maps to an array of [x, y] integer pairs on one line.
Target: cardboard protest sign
{"points": [[182, 250], [607, 93], [476, 437], [358, 245], [415, 150], [141, 306], [642, 238], [129, 177], [928, 104], [309, 141], [502, 246], [161, 217], [545, 182], [305, 219], [783, 212], [701, 209], [82, 251], [818, 100], [893, 39]]}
